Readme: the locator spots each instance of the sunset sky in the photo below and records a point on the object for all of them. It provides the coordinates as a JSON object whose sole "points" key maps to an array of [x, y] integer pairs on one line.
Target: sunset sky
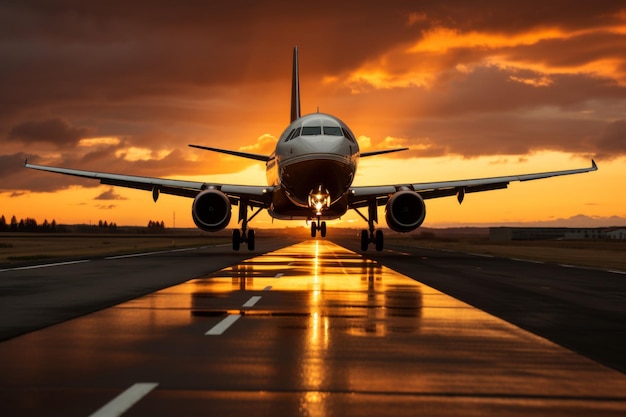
{"points": [[474, 88]]}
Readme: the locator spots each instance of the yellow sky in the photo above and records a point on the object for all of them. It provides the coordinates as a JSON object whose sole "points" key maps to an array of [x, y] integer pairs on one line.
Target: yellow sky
{"points": [[597, 194]]}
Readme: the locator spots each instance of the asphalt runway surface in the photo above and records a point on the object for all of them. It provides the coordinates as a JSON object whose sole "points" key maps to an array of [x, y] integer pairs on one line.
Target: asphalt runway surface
{"points": [[312, 328]]}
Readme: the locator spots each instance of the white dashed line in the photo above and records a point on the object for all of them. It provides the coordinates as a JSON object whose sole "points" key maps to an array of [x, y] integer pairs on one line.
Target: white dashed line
{"points": [[280, 274], [120, 404], [22, 268], [223, 325], [252, 301], [269, 287]]}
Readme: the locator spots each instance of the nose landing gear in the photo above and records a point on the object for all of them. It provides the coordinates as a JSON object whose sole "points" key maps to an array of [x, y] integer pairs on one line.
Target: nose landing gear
{"points": [[321, 226]]}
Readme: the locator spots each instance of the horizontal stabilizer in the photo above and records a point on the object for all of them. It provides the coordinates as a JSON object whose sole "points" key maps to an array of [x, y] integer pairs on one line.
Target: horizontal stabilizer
{"points": [[372, 153], [255, 156]]}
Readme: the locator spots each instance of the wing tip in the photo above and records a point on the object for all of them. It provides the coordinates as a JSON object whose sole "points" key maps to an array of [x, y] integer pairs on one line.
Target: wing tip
{"points": [[594, 166]]}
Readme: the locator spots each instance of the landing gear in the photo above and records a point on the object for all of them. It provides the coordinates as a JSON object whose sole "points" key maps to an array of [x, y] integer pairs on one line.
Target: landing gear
{"points": [[247, 238], [377, 238], [244, 236], [371, 236], [321, 226]]}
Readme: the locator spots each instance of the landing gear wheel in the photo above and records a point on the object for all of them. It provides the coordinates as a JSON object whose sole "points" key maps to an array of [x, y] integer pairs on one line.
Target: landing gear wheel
{"points": [[250, 239], [236, 239], [323, 229], [379, 240], [365, 240], [313, 229]]}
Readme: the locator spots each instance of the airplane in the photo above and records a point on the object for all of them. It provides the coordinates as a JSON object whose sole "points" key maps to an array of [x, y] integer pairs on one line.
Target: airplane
{"points": [[309, 177]]}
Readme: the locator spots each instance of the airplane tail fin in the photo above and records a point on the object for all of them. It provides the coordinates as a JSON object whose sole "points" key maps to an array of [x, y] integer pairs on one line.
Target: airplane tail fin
{"points": [[295, 88]]}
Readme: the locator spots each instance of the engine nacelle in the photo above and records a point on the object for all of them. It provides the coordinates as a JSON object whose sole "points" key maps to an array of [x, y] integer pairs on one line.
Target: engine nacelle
{"points": [[211, 210], [405, 211]]}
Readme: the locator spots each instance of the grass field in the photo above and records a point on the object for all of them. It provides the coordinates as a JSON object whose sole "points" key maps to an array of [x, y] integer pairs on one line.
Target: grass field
{"points": [[604, 254], [20, 248]]}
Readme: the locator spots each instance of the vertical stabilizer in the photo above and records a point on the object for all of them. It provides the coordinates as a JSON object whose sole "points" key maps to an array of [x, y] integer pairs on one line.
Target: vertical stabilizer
{"points": [[295, 88]]}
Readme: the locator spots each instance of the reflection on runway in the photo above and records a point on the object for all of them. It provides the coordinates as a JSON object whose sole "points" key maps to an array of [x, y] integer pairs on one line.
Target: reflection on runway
{"points": [[312, 329], [336, 291]]}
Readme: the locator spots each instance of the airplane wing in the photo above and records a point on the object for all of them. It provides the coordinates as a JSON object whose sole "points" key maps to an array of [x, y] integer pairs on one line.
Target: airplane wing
{"points": [[360, 196], [257, 196], [255, 156]]}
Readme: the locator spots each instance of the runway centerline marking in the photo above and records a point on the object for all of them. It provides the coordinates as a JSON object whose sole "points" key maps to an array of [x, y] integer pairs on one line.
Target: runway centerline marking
{"points": [[223, 325], [252, 301], [120, 404], [22, 268]]}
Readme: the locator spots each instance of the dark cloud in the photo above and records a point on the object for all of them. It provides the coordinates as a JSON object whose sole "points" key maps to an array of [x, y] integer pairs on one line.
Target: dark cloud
{"points": [[110, 194], [106, 206], [612, 142], [55, 131], [158, 75]]}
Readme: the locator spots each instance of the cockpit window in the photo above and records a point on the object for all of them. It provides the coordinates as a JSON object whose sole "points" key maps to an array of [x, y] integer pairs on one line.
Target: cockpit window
{"points": [[332, 131], [311, 130], [294, 133], [347, 134]]}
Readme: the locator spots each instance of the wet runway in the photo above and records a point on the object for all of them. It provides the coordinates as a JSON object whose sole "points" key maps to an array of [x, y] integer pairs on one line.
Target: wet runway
{"points": [[312, 329]]}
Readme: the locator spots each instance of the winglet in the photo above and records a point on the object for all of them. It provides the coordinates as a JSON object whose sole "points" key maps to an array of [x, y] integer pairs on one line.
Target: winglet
{"points": [[26, 161], [594, 166], [295, 88]]}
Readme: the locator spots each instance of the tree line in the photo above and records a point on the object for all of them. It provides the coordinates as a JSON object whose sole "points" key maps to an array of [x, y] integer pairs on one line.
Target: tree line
{"points": [[30, 225], [26, 225]]}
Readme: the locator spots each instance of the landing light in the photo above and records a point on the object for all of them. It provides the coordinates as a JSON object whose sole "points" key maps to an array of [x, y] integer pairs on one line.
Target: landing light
{"points": [[319, 200]]}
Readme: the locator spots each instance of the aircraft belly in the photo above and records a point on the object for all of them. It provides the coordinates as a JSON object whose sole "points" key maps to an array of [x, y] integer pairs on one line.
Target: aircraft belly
{"points": [[299, 176]]}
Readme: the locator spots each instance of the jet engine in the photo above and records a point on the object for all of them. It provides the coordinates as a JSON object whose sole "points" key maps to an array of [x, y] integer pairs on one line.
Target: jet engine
{"points": [[405, 211], [211, 210]]}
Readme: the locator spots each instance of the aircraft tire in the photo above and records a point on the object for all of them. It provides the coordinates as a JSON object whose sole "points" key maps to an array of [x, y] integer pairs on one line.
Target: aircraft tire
{"points": [[323, 229], [365, 240], [379, 240], [251, 240], [313, 229], [236, 239]]}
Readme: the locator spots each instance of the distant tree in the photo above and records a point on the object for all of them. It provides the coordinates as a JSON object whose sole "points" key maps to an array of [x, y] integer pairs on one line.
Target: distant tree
{"points": [[30, 225], [14, 225], [21, 226], [53, 226], [3, 224]]}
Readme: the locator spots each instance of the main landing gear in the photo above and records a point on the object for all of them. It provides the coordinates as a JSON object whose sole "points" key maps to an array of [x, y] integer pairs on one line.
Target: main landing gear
{"points": [[371, 236], [321, 226], [244, 236]]}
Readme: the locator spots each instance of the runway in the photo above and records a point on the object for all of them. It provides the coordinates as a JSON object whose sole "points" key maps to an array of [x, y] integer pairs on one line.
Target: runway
{"points": [[310, 329]]}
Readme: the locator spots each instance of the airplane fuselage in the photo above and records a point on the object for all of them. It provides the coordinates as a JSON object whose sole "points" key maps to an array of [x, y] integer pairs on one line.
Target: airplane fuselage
{"points": [[312, 168]]}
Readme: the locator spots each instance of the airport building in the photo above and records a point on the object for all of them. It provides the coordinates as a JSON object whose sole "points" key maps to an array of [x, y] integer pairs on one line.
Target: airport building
{"points": [[552, 233]]}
